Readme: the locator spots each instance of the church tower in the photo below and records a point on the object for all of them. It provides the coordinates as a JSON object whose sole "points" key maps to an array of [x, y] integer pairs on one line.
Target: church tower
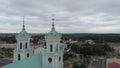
{"points": [[23, 48], [53, 54]]}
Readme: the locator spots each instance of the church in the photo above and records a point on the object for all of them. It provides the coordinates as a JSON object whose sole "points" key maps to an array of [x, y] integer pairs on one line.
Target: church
{"points": [[49, 55]]}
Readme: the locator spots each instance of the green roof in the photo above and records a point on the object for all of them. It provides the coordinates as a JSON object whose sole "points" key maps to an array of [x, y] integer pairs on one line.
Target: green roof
{"points": [[23, 32], [53, 32], [31, 62]]}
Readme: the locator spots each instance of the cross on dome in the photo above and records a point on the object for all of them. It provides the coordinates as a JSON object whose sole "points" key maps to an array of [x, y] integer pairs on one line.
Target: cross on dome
{"points": [[53, 32], [23, 31], [23, 28], [53, 28]]}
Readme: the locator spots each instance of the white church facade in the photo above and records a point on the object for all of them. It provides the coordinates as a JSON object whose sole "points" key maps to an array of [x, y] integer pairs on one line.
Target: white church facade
{"points": [[50, 55], [23, 48]]}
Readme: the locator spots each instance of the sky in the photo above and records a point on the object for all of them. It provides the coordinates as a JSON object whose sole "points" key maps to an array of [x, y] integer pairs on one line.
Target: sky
{"points": [[71, 16]]}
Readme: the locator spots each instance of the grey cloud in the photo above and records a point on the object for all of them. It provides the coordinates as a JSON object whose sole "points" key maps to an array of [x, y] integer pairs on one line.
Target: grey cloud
{"points": [[72, 15]]}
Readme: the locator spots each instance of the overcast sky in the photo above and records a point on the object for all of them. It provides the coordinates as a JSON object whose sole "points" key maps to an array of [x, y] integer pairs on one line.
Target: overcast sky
{"points": [[71, 16]]}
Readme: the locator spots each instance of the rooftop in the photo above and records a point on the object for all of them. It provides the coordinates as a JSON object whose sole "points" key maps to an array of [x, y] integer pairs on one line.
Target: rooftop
{"points": [[31, 62]]}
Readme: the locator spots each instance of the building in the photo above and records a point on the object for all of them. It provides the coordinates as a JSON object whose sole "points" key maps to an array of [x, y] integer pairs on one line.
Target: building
{"points": [[115, 46], [23, 48], [49, 55], [91, 42], [7, 45], [1, 64], [113, 63]]}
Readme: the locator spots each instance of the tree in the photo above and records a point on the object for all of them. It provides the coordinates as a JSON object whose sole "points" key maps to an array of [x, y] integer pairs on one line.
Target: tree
{"points": [[87, 49], [76, 65], [75, 48]]}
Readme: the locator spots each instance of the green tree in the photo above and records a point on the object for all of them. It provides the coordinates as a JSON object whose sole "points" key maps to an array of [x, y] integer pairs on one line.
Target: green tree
{"points": [[76, 65], [75, 48], [87, 49]]}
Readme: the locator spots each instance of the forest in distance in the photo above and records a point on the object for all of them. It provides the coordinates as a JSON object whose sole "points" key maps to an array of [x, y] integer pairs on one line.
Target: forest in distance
{"points": [[96, 37], [10, 38]]}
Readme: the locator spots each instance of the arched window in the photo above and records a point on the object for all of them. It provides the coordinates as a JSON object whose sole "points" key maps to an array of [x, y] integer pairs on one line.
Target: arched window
{"points": [[26, 45], [18, 56], [57, 47], [45, 44], [51, 48], [20, 45], [50, 60], [59, 58], [27, 54]]}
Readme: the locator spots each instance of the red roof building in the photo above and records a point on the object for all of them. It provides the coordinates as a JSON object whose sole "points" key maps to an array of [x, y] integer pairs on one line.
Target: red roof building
{"points": [[2, 64], [113, 63], [2, 42]]}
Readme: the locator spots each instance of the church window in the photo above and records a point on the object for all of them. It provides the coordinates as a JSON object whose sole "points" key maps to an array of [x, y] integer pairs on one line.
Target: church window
{"points": [[45, 44], [50, 60], [26, 45], [20, 45], [27, 54], [18, 56], [57, 47], [59, 58], [51, 48]]}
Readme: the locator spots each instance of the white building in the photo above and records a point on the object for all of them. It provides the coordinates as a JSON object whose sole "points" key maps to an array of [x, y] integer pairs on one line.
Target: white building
{"points": [[23, 48], [48, 56], [90, 42]]}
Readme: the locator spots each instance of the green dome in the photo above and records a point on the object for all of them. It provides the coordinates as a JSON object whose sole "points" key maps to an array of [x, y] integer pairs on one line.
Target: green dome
{"points": [[53, 32], [23, 33]]}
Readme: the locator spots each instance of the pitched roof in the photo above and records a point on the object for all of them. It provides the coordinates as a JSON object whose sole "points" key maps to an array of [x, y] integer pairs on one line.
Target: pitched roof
{"points": [[31, 62]]}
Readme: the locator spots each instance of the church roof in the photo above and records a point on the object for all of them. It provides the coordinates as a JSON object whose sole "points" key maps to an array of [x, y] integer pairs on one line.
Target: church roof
{"points": [[53, 32], [31, 62], [23, 32]]}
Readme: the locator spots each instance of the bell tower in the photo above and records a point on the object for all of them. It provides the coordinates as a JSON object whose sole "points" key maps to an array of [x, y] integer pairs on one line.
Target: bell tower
{"points": [[23, 48], [53, 54]]}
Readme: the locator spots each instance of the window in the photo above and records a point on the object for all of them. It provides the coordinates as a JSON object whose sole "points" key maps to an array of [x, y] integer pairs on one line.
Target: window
{"points": [[20, 45], [59, 58], [51, 48], [50, 60], [27, 54], [26, 45], [45, 44], [57, 47], [18, 56]]}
